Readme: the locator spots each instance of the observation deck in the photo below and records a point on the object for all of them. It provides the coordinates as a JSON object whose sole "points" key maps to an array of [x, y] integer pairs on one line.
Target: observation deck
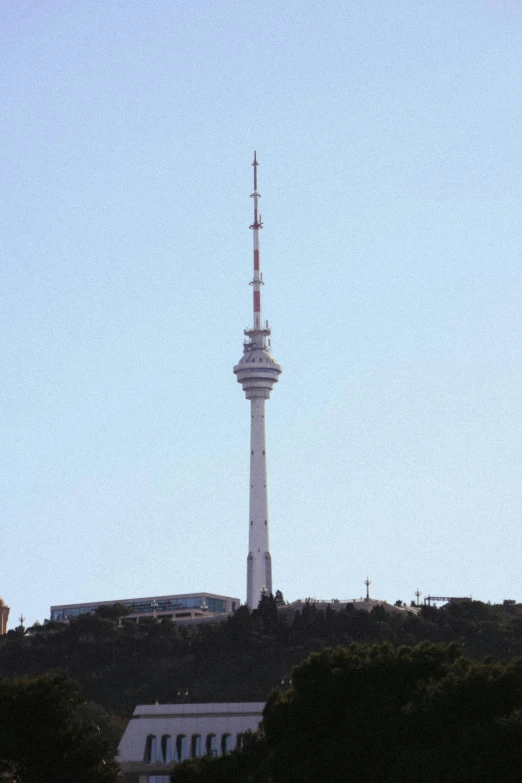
{"points": [[257, 370]]}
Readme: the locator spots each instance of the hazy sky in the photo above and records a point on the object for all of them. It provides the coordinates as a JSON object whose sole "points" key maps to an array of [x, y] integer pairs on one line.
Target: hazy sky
{"points": [[389, 139]]}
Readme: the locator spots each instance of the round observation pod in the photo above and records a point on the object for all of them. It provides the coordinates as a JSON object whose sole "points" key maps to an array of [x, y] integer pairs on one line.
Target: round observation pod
{"points": [[257, 371]]}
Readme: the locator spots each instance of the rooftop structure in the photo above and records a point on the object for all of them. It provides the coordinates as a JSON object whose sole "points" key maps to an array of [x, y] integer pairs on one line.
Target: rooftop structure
{"points": [[444, 599], [186, 608], [160, 735], [257, 372], [336, 605]]}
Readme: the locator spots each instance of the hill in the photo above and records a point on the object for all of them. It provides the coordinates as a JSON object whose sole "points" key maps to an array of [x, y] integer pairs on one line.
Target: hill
{"points": [[241, 659]]}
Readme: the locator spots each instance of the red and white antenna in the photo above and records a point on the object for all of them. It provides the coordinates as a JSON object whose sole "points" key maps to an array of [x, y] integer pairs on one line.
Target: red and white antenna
{"points": [[257, 371], [257, 282]]}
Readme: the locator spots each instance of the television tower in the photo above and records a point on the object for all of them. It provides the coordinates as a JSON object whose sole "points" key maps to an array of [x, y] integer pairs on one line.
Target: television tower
{"points": [[257, 371]]}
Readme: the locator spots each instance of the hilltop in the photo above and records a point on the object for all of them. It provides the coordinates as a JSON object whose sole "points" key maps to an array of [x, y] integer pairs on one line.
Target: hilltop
{"points": [[122, 664]]}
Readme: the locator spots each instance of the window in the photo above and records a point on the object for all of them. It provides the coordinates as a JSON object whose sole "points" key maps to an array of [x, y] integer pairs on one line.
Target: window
{"points": [[181, 748], [150, 749], [196, 746], [212, 745], [240, 741], [216, 605], [166, 749], [226, 744]]}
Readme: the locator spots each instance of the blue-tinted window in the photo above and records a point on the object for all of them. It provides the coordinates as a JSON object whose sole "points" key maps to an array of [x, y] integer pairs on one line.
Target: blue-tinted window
{"points": [[166, 749], [226, 744], [196, 746], [211, 745], [215, 605], [181, 748], [150, 754]]}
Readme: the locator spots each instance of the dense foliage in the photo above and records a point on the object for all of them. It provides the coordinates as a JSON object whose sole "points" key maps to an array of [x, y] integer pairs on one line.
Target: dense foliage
{"points": [[383, 715], [42, 738], [240, 659]]}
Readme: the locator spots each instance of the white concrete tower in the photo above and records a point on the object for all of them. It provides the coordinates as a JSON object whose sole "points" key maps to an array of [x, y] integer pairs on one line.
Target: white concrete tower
{"points": [[257, 372]]}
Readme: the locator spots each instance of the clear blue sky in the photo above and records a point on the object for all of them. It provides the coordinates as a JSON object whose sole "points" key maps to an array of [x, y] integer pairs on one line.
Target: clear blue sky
{"points": [[389, 139]]}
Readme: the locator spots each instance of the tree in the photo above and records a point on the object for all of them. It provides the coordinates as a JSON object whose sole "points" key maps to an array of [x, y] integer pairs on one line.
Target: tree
{"points": [[111, 726], [398, 715], [42, 740], [267, 611], [383, 715]]}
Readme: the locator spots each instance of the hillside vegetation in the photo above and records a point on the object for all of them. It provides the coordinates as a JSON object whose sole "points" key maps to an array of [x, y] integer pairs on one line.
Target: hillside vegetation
{"points": [[240, 659]]}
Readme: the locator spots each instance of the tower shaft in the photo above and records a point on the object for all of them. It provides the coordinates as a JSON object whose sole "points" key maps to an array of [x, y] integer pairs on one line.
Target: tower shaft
{"points": [[257, 371], [259, 563]]}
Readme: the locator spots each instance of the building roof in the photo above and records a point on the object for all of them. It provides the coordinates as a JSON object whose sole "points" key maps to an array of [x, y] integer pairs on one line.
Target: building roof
{"points": [[198, 710]]}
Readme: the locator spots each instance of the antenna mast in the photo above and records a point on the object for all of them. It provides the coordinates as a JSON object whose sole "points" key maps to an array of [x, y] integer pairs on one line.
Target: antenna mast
{"points": [[257, 335]]}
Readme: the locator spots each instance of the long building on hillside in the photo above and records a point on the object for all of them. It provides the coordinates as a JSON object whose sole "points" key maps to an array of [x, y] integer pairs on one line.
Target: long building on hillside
{"points": [[185, 608]]}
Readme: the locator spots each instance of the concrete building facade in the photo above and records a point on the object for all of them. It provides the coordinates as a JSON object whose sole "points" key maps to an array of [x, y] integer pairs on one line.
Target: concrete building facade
{"points": [[161, 735]]}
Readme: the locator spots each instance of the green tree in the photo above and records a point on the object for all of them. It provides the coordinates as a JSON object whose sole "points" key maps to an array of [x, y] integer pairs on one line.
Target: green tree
{"points": [[399, 715], [110, 726], [267, 611], [41, 738], [378, 714]]}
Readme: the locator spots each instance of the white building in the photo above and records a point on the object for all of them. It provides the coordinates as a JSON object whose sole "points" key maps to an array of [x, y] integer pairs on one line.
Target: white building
{"points": [[160, 735]]}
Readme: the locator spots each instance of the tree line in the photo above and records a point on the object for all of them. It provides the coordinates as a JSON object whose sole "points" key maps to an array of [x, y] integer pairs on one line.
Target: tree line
{"points": [[119, 664]]}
